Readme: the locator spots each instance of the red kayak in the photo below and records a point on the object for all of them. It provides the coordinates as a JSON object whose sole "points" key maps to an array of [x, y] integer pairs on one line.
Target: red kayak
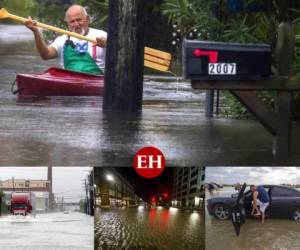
{"points": [[59, 82]]}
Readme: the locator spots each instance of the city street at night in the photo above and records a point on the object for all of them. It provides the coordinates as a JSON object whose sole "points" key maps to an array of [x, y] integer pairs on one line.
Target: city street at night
{"points": [[165, 212]]}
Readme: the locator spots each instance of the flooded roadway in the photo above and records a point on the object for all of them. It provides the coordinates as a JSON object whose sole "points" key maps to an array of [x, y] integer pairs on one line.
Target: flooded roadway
{"points": [[74, 131], [274, 234], [139, 228], [51, 231]]}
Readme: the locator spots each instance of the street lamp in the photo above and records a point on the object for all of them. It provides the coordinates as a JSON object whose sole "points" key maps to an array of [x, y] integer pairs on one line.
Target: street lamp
{"points": [[109, 177]]}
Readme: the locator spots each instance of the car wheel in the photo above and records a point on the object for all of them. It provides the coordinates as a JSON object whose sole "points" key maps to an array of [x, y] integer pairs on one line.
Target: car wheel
{"points": [[296, 215], [221, 212]]}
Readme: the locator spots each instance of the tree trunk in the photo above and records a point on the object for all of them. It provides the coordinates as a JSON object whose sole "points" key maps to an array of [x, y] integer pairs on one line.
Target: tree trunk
{"points": [[125, 57]]}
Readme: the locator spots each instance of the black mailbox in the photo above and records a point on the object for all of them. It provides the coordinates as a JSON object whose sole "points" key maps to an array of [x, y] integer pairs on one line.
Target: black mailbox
{"points": [[206, 60]]}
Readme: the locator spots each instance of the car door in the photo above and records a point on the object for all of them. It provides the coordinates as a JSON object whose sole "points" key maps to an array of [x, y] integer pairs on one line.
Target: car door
{"points": [[238, 212]]}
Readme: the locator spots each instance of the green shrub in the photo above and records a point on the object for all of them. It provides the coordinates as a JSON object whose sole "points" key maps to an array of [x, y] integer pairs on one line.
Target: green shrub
{"points": [[211, 20]]}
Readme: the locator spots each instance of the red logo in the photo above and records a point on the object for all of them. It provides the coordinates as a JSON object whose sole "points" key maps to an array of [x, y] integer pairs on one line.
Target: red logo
{"points": [[149, 162]]}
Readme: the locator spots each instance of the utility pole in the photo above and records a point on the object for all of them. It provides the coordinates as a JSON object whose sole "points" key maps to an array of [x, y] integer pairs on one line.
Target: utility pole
{"points": [[91, 189], [50, 190], [124, 57], [62, 204], [87, 198], [1, 196]]}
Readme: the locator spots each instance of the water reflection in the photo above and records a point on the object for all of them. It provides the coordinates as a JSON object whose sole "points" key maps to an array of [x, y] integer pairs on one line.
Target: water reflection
{"points": [[47, 231], [172, 119], [155, 228]]}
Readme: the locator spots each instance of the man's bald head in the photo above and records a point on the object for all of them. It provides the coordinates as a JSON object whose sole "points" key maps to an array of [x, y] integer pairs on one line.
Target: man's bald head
{"points": [[75, 8], [77, 19]]}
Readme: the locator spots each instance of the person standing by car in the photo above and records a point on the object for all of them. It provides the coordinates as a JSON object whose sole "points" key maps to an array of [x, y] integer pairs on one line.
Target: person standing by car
{"points": [[261, 199]]}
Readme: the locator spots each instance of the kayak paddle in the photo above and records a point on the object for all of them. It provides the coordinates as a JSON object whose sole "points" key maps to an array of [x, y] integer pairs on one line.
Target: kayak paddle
{"points": [[153, 58]]}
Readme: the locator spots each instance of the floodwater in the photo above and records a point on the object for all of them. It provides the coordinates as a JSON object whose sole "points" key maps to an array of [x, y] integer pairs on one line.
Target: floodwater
{"points": [[274, 234], [156, 228], [51, 231], [74, 131]]}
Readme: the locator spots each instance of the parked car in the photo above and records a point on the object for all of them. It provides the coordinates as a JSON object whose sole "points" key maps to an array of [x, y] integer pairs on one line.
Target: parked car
{"points": [[284, 203]]}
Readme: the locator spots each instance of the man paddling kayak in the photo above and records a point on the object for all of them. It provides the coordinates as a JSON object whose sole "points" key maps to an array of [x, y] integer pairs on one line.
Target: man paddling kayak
{"points": [[74, 54]]}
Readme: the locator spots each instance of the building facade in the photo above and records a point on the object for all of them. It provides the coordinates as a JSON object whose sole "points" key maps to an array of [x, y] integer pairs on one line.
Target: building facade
{"points": [[39, 190], [112, 190], [25, 185], [188, 187]]}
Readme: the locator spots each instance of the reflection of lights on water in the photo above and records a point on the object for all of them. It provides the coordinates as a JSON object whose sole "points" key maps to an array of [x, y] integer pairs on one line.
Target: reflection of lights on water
{"points": [[194, 216], [159, 207], [140, 207], [173, 210]]}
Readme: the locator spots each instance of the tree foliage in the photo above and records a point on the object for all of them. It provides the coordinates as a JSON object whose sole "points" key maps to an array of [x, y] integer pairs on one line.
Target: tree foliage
{"points": [[242, 21]]}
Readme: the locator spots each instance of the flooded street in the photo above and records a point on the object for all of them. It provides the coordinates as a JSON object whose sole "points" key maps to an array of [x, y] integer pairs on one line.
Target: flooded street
{"points": [[274, 234], [52, 231], [139, 228], [74, 131]]}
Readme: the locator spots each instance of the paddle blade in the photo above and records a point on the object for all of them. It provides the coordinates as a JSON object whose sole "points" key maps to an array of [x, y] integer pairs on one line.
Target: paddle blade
{"points": [[158, 53], [155, 66], [156, 59], [3, 13]]}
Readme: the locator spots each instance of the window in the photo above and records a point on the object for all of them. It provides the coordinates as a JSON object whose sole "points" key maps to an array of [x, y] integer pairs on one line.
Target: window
{"points": [[193, 182], [194, 173], [283, 191]]}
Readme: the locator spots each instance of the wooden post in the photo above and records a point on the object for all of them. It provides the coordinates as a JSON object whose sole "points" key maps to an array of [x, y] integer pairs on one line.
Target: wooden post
{"points": [[125, 57], [209, 103], [283, 136], [284, 55], [284, 51]]}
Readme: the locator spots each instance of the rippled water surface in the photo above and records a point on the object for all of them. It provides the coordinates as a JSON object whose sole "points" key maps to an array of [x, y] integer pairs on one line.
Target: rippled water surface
{"points": [[52, 231], [138, 228], [274, 234], [74, 131]]}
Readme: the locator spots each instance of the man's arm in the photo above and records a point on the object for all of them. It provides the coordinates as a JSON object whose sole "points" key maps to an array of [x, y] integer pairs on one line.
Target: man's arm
{"points": [[45, 51]]}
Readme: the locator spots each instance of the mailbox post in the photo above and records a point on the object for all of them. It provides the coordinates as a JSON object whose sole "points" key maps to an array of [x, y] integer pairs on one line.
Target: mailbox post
{"points": [[244, 69]]}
